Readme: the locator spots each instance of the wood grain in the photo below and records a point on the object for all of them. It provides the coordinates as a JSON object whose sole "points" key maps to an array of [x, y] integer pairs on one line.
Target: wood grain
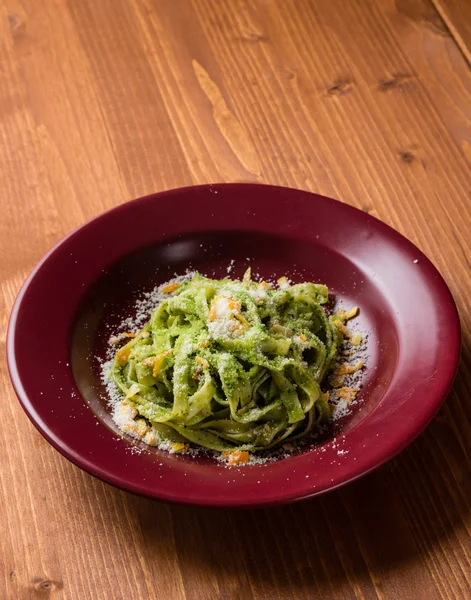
{"points": [[369, 102], [456, 14]]}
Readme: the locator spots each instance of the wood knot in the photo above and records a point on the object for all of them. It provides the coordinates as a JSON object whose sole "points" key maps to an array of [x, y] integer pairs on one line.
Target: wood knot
{"points": [[340, 87], [290, 75], [46, 586], [16, 24], [12, 575], [407, 156], [390, 83], [253, 37], [13, 21]]}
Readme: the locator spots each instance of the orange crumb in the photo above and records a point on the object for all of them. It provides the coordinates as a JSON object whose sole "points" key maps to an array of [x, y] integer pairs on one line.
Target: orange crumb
{"points": [[168, 289], [289, 447], [327, 394], [341, 327], [356, 339], [264, 285], [202, 361], [232, 304], [159, 359], [238, 457], [139, 428], [123, 355], [345, 369], [129, 334], [346, 315], [180, 447], [150, 438], [282, 281], [348, 394], [350, 314], [302, 337], [130, 428]]}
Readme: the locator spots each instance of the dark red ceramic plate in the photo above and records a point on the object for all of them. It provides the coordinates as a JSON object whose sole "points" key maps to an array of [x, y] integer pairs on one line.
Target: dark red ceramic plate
{"points": [[89, 281]]}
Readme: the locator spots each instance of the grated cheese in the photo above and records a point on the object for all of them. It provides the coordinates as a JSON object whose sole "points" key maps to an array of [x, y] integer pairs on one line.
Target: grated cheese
{"points": [[225, 324]]}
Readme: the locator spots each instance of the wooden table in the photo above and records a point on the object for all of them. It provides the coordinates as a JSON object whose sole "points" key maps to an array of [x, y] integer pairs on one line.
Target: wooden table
{"points": [[366, 101]]}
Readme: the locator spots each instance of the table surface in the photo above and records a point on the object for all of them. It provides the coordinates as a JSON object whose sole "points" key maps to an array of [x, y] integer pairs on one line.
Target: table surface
{"points": [[365, 101]]}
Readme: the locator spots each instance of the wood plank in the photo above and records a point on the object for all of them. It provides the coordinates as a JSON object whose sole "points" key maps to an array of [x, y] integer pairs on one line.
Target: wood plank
{"points": [[369, 102], [435, 57]]}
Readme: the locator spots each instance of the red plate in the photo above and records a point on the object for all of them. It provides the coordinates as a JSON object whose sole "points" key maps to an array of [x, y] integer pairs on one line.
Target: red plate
{"points": [[89, 281]]}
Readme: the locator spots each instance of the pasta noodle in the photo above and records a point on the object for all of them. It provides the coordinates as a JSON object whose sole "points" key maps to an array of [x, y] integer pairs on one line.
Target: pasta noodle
{"points": [[231, 365]]}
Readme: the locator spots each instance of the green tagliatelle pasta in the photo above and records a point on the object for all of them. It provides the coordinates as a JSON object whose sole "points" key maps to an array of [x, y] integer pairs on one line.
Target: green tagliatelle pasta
{"points": [[231, 365]]}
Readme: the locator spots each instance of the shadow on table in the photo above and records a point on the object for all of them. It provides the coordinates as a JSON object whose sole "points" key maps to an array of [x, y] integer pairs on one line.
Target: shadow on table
{"points": [[344, 541]]}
